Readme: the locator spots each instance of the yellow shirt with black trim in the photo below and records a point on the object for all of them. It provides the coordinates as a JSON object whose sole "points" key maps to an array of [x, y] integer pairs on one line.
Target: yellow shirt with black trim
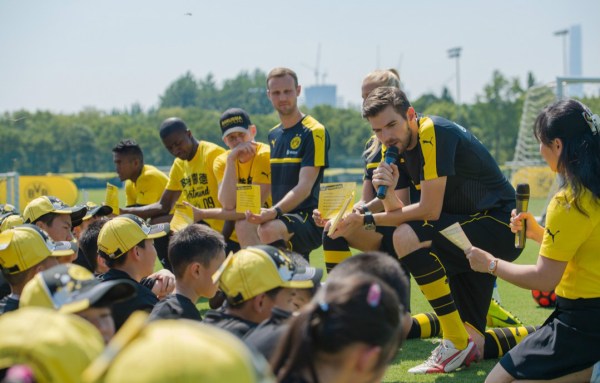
{"points": [[474, 180], [573, 237], [304, 144], [148, 187], [255, 171], [196, 179]]}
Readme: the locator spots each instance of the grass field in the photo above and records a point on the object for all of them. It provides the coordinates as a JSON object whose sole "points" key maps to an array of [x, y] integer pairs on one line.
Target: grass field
{"points": [[413, 352]]}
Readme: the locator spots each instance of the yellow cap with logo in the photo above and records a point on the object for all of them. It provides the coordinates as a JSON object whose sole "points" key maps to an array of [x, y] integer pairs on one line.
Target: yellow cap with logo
{"points": [[48, 204], [9, 220], [23, 247], [176, 351], [57, 347], [258, 269], [122, 233]]}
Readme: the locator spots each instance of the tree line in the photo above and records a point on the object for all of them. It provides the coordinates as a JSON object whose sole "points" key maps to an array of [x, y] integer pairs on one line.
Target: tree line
{"points": [[40, 142]]}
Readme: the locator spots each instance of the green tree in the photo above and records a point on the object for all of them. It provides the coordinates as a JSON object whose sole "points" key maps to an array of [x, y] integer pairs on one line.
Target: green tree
{"points": [[183, 92]]}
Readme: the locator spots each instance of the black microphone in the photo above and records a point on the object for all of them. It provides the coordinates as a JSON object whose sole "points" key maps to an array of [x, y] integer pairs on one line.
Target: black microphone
{"points": [[522, 199], [391, 155]]}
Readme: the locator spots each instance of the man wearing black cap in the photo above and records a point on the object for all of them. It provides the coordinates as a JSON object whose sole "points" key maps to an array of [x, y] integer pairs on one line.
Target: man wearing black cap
{"points": [[247, 162]]}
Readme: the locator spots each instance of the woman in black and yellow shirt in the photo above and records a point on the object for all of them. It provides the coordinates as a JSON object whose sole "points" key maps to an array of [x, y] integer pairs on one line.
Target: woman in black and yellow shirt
{"points": [[566, 347]]}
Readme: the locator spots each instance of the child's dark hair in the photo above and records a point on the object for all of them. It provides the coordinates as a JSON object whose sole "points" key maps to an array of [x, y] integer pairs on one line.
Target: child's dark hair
{"points": [[358, 309], [88, 243], [579, 160], [195, 243], [379, 265]]}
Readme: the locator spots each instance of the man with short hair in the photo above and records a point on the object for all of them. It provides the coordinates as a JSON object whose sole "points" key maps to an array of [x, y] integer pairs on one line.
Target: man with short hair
{"points": [[127, 245], [255, 280], [195, 253], [299, 147], [24, 251], [144, 184], [192, 176], [460, 182]]}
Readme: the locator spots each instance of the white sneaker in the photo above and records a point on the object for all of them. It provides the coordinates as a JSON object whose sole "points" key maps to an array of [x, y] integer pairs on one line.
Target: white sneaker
{"points": [[446, 358]]}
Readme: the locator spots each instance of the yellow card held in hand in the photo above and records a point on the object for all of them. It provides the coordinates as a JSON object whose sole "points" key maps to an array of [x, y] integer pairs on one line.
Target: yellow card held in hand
{"points": [[111, 198], [247, 198], [344, 210], [182, 217], [332, 196]]}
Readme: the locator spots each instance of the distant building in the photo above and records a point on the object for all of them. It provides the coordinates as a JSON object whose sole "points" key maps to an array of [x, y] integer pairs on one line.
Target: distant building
{"points": [[320, 95]]}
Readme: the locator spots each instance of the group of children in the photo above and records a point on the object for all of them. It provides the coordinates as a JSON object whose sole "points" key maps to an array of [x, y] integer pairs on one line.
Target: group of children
{"points": [[91, 273]]}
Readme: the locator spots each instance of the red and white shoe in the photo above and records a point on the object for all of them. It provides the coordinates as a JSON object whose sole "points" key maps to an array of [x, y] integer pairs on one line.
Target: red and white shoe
{"points": [[446, 358]]}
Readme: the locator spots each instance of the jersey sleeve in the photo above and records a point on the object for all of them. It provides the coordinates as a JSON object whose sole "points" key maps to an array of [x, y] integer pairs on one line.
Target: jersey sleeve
{"points": [[219, 166], [438, 149], [566, 229], [150, 188], [175, 176], [263, 166], [129, 193]]}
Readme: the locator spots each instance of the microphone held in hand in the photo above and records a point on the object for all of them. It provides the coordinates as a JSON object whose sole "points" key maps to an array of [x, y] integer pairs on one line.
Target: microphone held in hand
{"points": [[391, 155], [522, 199]]}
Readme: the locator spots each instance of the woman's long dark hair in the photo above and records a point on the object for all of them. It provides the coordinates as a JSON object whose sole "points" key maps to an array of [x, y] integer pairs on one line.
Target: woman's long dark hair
{"points": [[579, 161], [358, 309]]}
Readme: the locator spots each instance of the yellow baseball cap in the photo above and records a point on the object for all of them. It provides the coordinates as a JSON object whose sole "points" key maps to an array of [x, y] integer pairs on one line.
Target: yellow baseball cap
{"points": [[57, 347], [94, 209], [122, 233], [257, 269], [170, 351], [71, 288], [48, 204], [10, 220], [23, 247]]}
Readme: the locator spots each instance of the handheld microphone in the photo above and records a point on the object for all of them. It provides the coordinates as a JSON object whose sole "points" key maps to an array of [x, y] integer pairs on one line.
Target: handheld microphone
{"points": [[391, 155], [522, 199]]}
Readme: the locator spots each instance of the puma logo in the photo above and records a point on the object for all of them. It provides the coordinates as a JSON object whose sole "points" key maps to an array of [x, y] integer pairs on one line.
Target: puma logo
{"points": [[266, 175], [428, 142], [320, 137], [142, 192], [552, 234], [272, 142]]}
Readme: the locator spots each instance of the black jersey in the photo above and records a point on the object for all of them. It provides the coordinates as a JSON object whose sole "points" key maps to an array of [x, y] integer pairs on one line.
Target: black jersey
{"points": [[8, 304], [234, 324], [144, 299], [475, 182], [304, 144], [175, 306]]}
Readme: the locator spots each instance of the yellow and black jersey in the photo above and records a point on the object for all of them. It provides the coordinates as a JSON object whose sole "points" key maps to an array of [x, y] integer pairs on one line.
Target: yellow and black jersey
{"points": [[148, 187], [255, 171], [474, 180], [573, 237], [196, 179], [304, 144]]}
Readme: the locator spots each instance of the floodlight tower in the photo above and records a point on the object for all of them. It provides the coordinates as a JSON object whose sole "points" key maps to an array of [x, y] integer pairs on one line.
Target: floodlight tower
{"points": [[454, 53], [563, 33]]}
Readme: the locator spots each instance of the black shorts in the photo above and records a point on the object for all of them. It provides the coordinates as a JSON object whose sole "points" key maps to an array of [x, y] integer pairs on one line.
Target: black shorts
{"points": [[566, 343], [490, 231], [306, 234]]}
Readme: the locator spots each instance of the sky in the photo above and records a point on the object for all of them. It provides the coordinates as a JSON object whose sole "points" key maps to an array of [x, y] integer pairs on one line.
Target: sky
{"points": [[66, 55]]}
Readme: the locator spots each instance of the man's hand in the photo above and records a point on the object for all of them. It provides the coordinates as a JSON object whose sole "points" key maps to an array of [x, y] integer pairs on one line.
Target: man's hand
{"points": [[319, 220], [348, 225], [386, 175], [264, 216]]}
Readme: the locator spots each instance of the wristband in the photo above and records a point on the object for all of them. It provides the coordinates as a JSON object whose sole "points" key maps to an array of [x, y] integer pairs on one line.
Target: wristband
{"points": [[278, 211]]}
